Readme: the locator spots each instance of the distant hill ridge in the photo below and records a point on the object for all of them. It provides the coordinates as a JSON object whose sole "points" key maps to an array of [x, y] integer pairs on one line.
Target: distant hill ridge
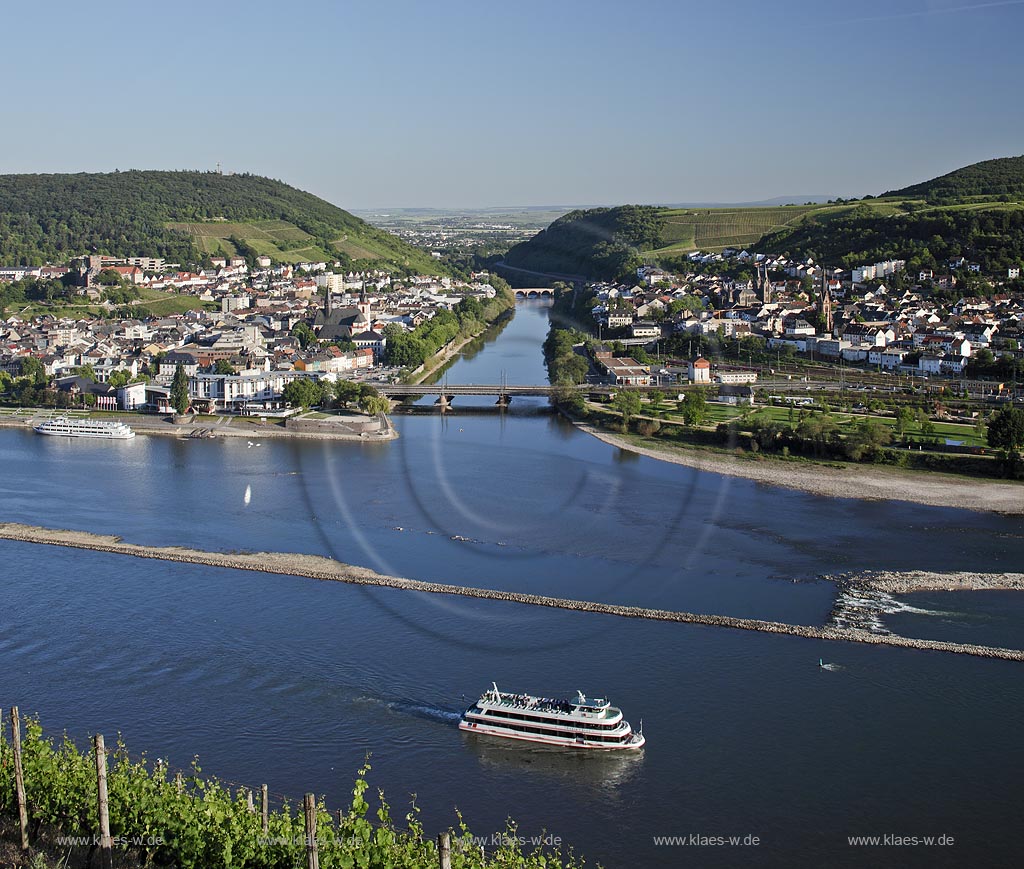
{"points": [[181, 216], [975, 212]]}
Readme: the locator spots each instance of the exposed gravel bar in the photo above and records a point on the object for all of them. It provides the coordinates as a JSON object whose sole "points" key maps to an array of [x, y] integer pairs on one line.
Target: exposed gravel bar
{"points": [[852, 481], [894, 582], [317, 567]]}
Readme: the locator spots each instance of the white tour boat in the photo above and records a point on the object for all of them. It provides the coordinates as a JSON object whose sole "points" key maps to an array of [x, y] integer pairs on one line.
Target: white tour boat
{"points": [[581, 723], [86, 428]]}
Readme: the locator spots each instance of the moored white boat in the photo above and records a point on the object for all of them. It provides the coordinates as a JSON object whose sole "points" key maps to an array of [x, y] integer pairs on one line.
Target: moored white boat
{"points": [[580, 723], [86, 428]]}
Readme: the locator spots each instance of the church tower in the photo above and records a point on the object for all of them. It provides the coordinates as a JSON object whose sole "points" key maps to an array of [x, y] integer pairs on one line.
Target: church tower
{"points": [[764, 286], [825, 304], [364, 304]]}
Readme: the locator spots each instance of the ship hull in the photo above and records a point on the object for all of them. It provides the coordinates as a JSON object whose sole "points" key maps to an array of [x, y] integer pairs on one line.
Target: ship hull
{"points": [[562, 741], [94, 436]]}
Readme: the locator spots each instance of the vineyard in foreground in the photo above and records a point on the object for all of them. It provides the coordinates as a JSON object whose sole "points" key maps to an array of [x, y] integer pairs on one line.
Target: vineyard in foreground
{"points": [[186, 820]]}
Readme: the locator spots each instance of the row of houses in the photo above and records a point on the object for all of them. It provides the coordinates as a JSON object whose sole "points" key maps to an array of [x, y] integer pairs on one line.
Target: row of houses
{"points": [[242, 343], [820, 311]]}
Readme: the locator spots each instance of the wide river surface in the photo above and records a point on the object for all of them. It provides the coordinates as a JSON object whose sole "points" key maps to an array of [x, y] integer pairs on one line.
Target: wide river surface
{"points": [[293, 682]]}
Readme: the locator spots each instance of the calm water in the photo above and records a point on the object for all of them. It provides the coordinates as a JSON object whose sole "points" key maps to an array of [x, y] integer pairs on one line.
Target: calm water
{"points": [[292, 682]]}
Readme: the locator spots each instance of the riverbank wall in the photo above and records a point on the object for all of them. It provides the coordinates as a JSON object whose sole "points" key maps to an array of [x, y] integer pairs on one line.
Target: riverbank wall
{"points": [[318, 567]]}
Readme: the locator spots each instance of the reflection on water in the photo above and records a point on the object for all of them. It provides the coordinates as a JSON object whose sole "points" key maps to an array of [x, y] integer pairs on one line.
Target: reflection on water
{"points": [[592, 768]]}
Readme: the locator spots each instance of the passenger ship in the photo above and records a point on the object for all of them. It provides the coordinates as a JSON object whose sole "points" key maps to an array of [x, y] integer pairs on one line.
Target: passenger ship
{"points": [[580, 723], [86, 428]]}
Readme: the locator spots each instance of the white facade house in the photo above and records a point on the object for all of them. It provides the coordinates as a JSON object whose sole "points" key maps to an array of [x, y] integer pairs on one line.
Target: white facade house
{"points": [[698, 370]]}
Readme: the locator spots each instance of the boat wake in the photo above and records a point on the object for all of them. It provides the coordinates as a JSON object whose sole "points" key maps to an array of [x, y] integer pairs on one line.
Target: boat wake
{"points": [[426, 711]]}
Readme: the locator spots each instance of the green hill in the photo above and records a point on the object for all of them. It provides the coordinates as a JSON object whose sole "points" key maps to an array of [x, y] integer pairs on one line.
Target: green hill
{"points": [[597, 242], [688, 229], [991, 234], [976, 212], [1003, 177], [607, 243], [183, 215]]}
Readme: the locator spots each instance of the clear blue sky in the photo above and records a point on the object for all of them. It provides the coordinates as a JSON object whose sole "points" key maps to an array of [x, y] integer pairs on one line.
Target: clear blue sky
{"points": [[459, 104]]}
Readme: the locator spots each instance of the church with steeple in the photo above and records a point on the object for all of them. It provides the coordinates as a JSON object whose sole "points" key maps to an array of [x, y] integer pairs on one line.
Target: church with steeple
{"points": [[340, 324]]}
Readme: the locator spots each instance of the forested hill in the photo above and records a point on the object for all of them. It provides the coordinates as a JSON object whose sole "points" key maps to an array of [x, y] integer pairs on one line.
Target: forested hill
{"points": [[181, 216], [599, 243], [926, 236], [1001, 177]]}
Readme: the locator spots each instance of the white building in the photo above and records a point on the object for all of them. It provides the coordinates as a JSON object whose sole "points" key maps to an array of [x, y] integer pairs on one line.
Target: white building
{"points": [[699, 370]]}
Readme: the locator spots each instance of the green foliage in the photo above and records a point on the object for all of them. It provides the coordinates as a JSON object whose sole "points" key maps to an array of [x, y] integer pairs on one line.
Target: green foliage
{"points": [[866, 439], [992, 236], [1002, 176], [712, 229], [986, 364], [345, 392], [56, 217], [695, 408], [223, 366], [205, 826], [600, 243], [121, 294], [109, 278], [123, 377], [179, 389], [411, 349], [374, 404], [904, 417], [1006, 429], [305, 392], [627, 404], [565, 366], [305, 335]]}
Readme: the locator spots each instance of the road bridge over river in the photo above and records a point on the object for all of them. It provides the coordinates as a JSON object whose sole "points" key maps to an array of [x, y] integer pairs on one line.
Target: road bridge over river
{"points": [[404, 390], [504, 393]]}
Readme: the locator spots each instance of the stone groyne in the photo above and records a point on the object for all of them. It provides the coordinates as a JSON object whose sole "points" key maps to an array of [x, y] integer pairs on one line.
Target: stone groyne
{"points": [[317, 567]]}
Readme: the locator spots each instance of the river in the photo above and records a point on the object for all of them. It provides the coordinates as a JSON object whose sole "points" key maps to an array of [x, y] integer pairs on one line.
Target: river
{"points": [[293, 682]]}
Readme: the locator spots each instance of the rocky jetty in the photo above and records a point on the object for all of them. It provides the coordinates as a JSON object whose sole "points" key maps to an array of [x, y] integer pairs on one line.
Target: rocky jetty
{"points": [[317, 567]]}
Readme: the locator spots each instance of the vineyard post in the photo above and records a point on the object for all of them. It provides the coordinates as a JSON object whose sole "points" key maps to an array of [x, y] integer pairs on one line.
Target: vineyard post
{"points": [[248, 801], [265, 806], [179, 782], [444, 850], [312, 860], [19, 777], [101, 793]]}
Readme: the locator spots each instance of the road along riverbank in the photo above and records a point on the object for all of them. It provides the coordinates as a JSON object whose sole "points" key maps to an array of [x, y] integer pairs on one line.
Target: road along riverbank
{"points": [[862, 482], [318, 567]]}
